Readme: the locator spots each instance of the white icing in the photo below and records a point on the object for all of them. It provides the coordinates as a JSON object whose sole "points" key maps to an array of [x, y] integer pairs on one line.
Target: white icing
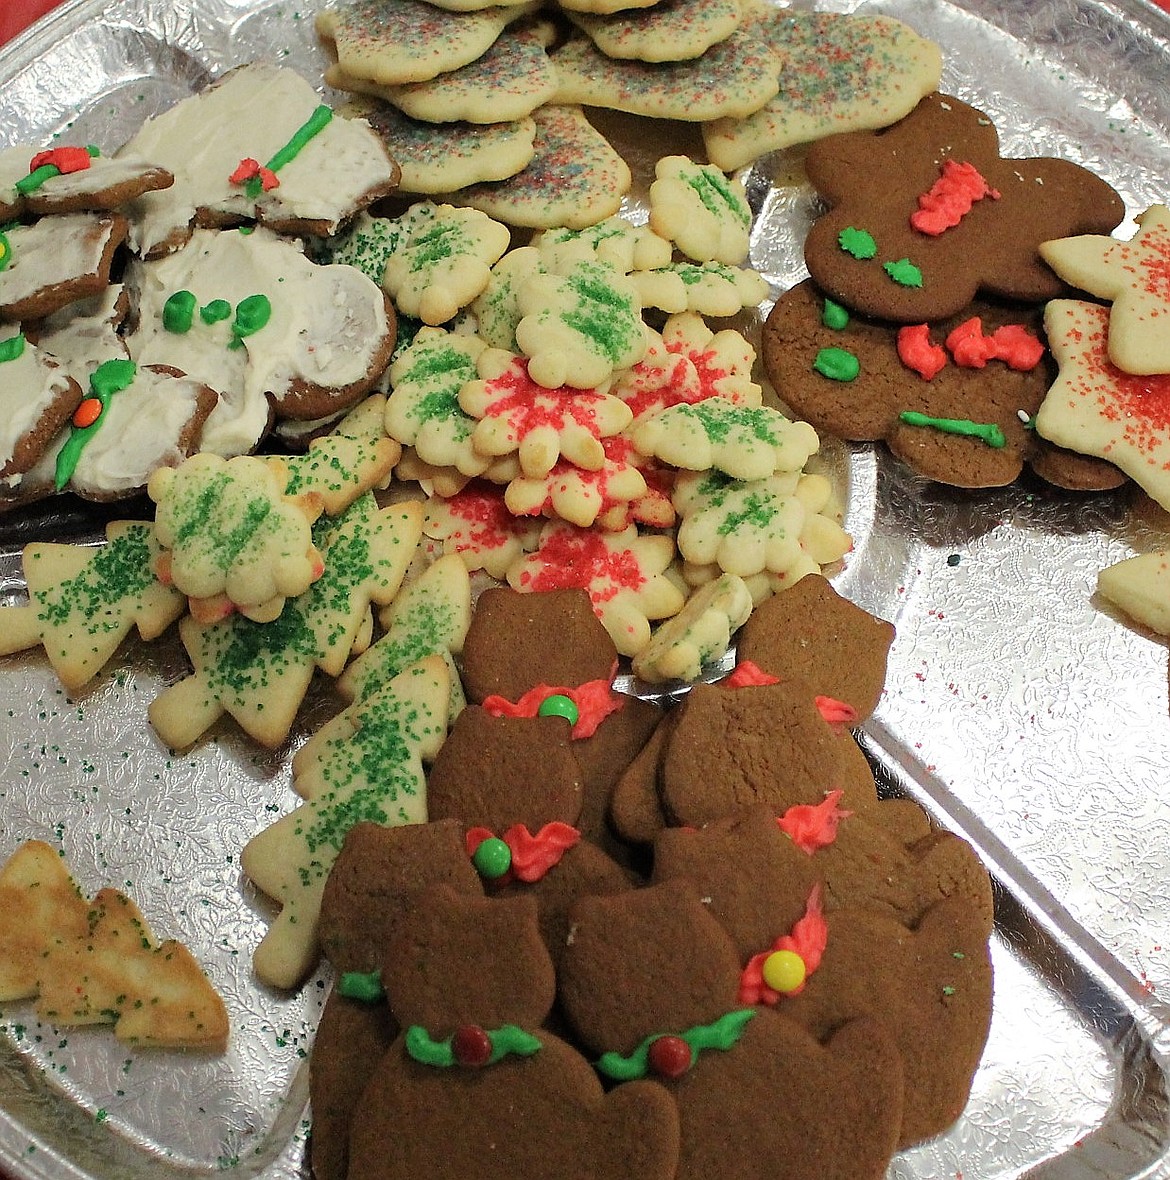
{"points": [[252, 113], [327, 328], [28, 387], [85, 334], [103, 172], [57, 249], [140, 433]]}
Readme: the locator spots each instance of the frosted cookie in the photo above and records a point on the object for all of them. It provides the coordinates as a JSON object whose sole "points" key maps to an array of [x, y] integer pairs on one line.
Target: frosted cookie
{"points": [[1140, 586], [367, 764], [134, 421], [71, 179], [96, 961], [839, 72], [616, 241], [700, 210], [55, 261], [355, 456], [540, 424], [624, 574], [709, 288], [437, 158], [747, 442], [270, 331], [1095, 409], [732, 79], [575, 178], [669, 30], [84, 600], [699, 633], [37, 398], [85, 333], [1133, 276], [256, 144], [476, 524], [508, 82], [231, 534], [441, 259], [396, 41], [428, 616], [258, 673], [580, 327]]}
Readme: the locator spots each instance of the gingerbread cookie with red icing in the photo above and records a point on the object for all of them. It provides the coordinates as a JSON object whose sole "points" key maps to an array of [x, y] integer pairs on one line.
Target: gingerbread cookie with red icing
{"points": [[953, 398], [926, 214], [471, 983]]}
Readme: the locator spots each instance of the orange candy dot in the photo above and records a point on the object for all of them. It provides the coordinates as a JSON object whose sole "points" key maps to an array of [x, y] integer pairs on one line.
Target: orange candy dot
{"points": [[87, 413]]}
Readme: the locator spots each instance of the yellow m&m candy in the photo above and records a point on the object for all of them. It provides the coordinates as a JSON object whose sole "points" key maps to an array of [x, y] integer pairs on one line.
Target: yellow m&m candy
{"points": [[784, 971]]}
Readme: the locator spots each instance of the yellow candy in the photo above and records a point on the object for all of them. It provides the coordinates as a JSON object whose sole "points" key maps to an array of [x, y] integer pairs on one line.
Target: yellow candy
{"points": [[784, 971]]}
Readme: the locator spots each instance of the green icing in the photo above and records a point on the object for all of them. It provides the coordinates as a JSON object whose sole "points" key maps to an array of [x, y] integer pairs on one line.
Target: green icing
{"points": [[107, 379], [838, 364], [507, 1039], [12, 348], [215, 311], [903, 272], [361, 985], [178, 312], [989, 432], [857, 242], [252, 314], [834, 316], [721, 1035]]}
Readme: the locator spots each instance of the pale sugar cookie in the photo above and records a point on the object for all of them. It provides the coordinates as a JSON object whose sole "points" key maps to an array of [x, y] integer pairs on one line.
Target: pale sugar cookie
{"points": [[839, 72], [1140, 586], [395, 41], [705, 214], [574, 179], [670, 30], [708, 288], [474, 522], [616, 241], [731, 80]]}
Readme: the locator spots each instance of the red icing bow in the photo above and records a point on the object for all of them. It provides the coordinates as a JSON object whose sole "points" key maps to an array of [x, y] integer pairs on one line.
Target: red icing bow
{"points": [[595, 701], [64, 159], [808, 939], [249, 169], [813, 825], [1013, 344], [532, 855], [950, 198]]}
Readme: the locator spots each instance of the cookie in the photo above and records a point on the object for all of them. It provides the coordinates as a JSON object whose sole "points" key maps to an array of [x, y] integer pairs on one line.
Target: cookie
{"points": [[442, 157], [297, 170], [733, 78], [1094, 408], [344, 782], [616, 241], [575, 178], [55, 261], [709, 288], [700, 210], [84, 600], [982, 216], [475, 523], [1137, 586], [815, 635], [669, 30], [96, 961], [71, 179], [959, 419], [392, 42], [232, 538], [839, 72], [1126, 274]]}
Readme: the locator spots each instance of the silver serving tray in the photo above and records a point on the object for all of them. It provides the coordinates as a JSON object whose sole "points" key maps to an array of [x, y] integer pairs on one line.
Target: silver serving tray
{"points": [[1018, 711]]}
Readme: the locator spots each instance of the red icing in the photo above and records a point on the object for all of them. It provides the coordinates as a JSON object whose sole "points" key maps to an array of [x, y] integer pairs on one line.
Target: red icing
{"points": [[916, 351], [808, 939], [249, 168], [532, 855], [813, 825], [950, 198], [1011, 343], [748, 675], [595, 701], [64, 159], [836, 712]]}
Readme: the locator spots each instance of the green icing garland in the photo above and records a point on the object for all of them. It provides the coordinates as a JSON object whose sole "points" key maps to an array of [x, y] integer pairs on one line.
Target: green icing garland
{"points": [[722, 1034], [504, 1040]]}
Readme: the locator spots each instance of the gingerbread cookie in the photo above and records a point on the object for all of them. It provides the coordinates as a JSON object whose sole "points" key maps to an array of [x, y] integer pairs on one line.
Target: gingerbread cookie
{"points": [[926, 214]]}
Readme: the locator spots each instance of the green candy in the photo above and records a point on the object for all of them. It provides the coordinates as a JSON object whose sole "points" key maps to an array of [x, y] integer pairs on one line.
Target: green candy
{"points": [[492, 859], [559, 705]]}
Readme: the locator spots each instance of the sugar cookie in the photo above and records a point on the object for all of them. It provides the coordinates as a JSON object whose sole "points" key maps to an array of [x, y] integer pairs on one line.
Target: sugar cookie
{"points": [[669, 30]]}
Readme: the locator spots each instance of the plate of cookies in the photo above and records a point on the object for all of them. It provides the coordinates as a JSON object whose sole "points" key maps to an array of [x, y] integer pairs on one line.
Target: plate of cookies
{"points": [[485, 486]]}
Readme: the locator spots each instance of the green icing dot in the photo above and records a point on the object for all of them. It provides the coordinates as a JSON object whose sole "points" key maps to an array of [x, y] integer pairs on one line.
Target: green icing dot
{"points": [[903, 272], [179, 312], [12, 348], [361, 985], [215, 311], [834, 316], [857, 242], [252, 314], [838, 364]]}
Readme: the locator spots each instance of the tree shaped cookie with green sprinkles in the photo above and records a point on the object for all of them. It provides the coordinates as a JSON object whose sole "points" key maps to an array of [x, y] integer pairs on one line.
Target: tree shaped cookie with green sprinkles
{"points": [[259, 672], [84, 600], [365, 765]]}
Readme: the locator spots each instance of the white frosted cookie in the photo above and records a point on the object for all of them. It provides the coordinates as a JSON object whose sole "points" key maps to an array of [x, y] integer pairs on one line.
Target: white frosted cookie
{"points": [[508, 82], [1133, 275], [249, 315], [86, 332], [55, 261], [312, 171], [441, 259], [1094, 408], [839, 72], [731, 80], [574, 179], [705, 214], [669, 30], [437, 158], [1140, 586], [395, 41], [65, 179]]}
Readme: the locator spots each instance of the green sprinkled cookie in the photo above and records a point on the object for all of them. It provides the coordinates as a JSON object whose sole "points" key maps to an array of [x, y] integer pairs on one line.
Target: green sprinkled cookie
{"points": [[616, 241], [704, 213], [710, 288]]}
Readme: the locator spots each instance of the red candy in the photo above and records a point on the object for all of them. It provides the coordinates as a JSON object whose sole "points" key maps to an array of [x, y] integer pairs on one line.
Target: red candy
{"points": [[471, 1045], [669, 1056]]}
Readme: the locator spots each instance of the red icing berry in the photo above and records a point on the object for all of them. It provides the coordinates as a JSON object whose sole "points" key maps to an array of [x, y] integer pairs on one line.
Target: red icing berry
{"points": [[669, 1056], [471, 1045]]}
